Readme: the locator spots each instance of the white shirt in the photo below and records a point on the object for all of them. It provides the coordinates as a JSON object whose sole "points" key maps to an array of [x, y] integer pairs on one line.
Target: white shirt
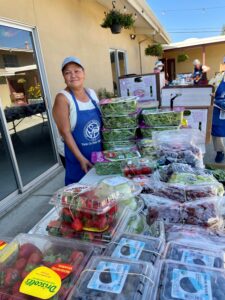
{"points": [[73, 113]]}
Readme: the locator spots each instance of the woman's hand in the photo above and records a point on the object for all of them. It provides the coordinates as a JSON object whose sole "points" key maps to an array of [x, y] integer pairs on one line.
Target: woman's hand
{"points": [[85, 164]]}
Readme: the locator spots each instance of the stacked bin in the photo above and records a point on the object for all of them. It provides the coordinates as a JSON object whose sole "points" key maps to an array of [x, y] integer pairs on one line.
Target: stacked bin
{"points": [[120, 120]]}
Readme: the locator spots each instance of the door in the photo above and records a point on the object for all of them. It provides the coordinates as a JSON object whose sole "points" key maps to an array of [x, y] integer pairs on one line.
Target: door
{"points": [[118, 61], [24, 108], [171, 69]]}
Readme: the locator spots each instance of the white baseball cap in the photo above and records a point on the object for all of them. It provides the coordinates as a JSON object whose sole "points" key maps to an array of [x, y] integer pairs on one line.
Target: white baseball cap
{"points": [[71, 59], [159, 64], [196, 62]]}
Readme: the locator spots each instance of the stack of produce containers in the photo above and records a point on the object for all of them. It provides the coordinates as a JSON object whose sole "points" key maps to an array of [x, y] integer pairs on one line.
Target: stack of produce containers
{"points": [[160, 120], [26, 253], [120, 120]]}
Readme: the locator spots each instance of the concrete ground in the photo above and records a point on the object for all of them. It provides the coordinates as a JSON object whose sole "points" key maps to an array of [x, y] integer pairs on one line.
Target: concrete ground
{"points": [[25, 215]]}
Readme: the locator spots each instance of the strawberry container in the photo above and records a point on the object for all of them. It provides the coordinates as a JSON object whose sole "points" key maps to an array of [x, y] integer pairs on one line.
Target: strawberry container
{"points": [[109, 278], [27, 252], [162, 117], [135, 248], [121, 134], [182, 281], [121, 121], [118, 106], [140, 166], [195, 254], [56, 227]]}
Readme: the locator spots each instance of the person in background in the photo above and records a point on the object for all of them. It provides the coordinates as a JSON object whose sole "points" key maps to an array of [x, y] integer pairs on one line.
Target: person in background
{"points": [[199, 75], [158, 66], [78, 120], [218, 122]]}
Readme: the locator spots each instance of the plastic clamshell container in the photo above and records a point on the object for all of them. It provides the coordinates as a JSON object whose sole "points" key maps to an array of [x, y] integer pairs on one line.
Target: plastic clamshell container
{"points": [[58, 228], [147, 131], [108, 278], [147, 148], [27, 252], [67, 195], [140, 166], [118, 145], [162, 117], [137, 224], [118, 106], [120, 134], [195, 254], [108, 168], [180, 281], [121, 121], [135, 247]]}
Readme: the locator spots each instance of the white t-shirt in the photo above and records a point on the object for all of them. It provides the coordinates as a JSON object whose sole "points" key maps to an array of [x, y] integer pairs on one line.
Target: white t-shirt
{"points": [[73, 113]]}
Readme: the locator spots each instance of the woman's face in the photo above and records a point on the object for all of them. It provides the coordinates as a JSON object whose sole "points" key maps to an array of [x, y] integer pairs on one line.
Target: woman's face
{"points": [[74, 76]]}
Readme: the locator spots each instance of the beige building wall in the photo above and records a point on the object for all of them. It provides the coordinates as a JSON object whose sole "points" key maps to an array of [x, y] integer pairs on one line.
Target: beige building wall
{"points": [[214, 55], [5, 95], [72, 27]]}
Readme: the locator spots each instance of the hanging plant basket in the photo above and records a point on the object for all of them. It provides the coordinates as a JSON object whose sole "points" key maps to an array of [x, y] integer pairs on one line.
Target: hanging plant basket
{"points": [[154, 50], [116, 28], [115, 20], [182, 57]]}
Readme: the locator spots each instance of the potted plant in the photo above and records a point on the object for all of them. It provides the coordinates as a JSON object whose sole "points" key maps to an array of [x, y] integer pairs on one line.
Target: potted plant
{"points": [[154, 50], [34, 93], [182, 57], [115, 20]]}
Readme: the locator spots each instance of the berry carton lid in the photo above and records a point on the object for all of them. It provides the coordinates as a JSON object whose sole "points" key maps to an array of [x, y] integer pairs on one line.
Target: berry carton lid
{"points": [[109, 278], [179, 281], [195, 253], [135, 248]]}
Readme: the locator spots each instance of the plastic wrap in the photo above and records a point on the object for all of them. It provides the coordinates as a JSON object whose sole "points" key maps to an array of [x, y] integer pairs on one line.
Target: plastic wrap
{"points": [[26, 252], [180, 281], [203, 212], [147, 148], [195, 254], [121, 121], [136, 224], [108, 278], [120, 134], [141, 166], [118, 106], [162, 117], [135, 248]]}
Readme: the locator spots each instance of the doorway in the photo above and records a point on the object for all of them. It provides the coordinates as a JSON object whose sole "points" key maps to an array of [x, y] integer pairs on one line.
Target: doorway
{"points": [[118, 60], [171, 69]]}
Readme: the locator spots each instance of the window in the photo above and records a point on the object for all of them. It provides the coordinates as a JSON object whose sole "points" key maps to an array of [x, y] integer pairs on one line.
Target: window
{"points": [[10, 60], [118, 59]]}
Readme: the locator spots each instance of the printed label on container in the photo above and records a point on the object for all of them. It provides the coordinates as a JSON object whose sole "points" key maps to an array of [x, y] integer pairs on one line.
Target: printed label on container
{"points": [[191, 285], [115, 181], [196, 258], [128, 248], [109, 277], [7, 252], [41, 283], [63, 270], [2, 244]]}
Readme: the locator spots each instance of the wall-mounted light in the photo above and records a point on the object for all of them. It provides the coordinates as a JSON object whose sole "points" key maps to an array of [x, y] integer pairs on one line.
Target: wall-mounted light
{"points": [[132, 36]]}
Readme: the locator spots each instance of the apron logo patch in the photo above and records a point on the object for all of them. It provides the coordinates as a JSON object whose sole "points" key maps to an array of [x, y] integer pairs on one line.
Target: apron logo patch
{"points": [[91, 130]]}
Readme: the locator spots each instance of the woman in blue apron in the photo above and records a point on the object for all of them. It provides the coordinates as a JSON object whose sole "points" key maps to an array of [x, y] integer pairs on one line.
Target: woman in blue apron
{"points": [[85, 137], [218, 122]]}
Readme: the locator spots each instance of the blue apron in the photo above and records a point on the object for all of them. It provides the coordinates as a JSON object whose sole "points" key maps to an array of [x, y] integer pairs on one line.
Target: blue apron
{"points": [[218, 124], [87, 137]]}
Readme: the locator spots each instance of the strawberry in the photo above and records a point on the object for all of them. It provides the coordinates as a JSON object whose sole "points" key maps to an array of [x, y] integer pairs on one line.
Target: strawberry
{"points": [[27, 249], [77, 225], [88, 236], [35, 258], [4, 294], [67, 215], [146, 170], [16, 287], [18, 296], [101, 223], [76, 257], [11, 276], [20, 264]]}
